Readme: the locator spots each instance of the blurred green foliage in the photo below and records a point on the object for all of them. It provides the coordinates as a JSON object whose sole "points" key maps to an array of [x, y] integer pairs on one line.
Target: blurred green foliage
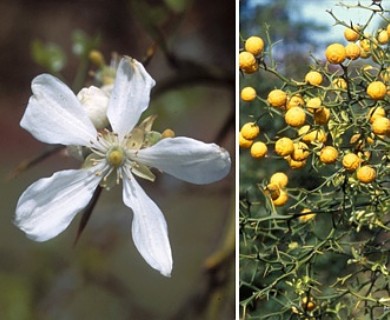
{"points": [[48, 55]]}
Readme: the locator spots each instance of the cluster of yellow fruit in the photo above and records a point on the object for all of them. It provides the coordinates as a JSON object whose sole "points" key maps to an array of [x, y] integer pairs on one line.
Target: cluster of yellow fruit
{"points": [[276, 189], [312, 108], [249, 57]]}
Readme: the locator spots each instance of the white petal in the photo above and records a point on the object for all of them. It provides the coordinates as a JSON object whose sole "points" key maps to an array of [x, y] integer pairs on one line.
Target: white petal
{"points": [[54, 114], [49, 205], [130, 96], [188, 159], [149, 229]]}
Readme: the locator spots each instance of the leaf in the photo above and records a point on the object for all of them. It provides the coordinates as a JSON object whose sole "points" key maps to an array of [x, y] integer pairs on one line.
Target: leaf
{"points": [[48, 55]]}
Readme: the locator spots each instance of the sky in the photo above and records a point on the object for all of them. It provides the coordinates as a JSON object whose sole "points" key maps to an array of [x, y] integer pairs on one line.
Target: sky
{"points": [[316, 10]]}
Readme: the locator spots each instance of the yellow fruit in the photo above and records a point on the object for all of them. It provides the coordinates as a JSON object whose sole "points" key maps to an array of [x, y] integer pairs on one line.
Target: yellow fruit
{"points": [[328, 155], [376, 90], [364, 54], [335, 53], [315, 135], [366, 174], [351, 34], [365, 48], [254, 45], [301, 151], [352, 51], [248, 94], [351, 162], [365, 44], [313, 104], [248, 62], [280, 179], [307, 215], [295, 101], [295, 117], [277, 98], [259, 150], [383, 37], [308, 304], [272, 191], [375, 113], [294, 164], [314, 78], [244, 143], [381, 126], [339, 83], [250, 130], [322, 116], [281, 200], [284, 146]]}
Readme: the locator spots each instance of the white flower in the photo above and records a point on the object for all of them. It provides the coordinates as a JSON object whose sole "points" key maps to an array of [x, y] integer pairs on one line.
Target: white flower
{"points": [[55, 115]]}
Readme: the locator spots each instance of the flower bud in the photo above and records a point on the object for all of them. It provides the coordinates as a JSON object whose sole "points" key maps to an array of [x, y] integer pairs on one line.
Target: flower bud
{"points": [[95, 102]]}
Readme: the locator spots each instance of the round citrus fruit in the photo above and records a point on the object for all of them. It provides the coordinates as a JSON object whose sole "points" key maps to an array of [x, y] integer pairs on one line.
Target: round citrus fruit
{"points": [[352, 51], [328, 154], [280, 179], [295, 101], [248, 94], [314, 78], [244, 143], [254, 45], [250, 130], [335, 53], [351, 34], [351, 162], [381, 126], [376, 90], [284, 146], [277, 98], [259, 150], [295, 117], [248, 62], [366, 174], [281, 200]]}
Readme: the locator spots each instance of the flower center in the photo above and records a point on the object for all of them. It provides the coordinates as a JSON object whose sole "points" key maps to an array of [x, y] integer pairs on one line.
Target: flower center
{"points": [[116, 156]]}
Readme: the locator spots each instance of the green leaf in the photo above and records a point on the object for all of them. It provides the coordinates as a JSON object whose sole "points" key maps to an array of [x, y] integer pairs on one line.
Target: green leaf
{"points": [[48, 55]]}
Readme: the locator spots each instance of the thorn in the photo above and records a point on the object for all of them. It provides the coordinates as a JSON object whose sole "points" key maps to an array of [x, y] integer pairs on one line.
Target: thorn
{"points": [[27, 164], [87, 213]]}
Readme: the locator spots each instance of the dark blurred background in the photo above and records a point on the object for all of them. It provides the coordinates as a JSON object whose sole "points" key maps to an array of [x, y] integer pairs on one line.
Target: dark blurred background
{"points": [[103, 276]]}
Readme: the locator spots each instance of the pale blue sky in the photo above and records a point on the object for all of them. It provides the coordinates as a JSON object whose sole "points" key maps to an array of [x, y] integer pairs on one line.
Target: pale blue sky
{"points": [[316, 9]]}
